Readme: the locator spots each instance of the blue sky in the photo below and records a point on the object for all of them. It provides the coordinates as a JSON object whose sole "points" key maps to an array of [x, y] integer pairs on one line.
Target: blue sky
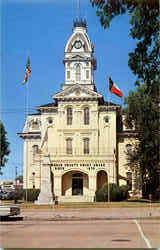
{"points": [[40, 29]]}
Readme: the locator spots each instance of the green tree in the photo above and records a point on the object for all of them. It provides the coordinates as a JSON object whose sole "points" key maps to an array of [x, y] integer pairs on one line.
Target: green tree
{"points": [[4, 147], [143, 112], [144, 20], [142, 106]]}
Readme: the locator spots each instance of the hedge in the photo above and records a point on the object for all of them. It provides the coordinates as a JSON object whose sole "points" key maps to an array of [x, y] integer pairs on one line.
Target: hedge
{"points": [[116, 193], [32, 194]]}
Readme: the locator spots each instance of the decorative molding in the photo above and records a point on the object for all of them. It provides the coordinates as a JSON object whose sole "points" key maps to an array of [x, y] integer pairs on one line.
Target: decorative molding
{"points": [[30, 135]]}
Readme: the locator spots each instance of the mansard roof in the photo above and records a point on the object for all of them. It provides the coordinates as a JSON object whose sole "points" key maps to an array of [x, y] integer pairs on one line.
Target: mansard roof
{"points": [[46, 106], [51, 104]]}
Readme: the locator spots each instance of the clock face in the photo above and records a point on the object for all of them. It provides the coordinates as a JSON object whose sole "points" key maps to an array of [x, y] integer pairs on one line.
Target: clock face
{"points": [[78, 44]]}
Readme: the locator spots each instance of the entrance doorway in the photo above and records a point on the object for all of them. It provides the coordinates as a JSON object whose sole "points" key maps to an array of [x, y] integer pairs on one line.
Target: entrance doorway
{"points": [[77, 184]]}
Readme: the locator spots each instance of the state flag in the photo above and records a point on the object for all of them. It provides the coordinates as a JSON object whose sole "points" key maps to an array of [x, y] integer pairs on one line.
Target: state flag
{"points": [[114, 88]]}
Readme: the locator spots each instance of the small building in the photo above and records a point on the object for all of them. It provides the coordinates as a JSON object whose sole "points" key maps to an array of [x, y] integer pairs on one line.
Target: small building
{"points": [[76, 143]]}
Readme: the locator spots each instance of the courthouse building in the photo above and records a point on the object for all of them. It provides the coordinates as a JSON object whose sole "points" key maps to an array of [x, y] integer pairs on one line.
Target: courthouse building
{"points": [[77, 142]]}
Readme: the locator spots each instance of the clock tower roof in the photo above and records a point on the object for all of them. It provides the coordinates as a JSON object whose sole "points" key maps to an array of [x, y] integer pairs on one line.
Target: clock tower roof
{"points": [[79, 61]]}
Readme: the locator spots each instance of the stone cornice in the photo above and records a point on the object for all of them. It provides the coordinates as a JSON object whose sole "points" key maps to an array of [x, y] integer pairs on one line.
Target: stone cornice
{"points": [[30, 135], [81, 130], [75, 99], [47, 109]]}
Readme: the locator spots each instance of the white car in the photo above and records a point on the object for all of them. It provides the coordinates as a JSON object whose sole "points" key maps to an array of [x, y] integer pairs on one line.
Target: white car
{"points": [[9, 210]]}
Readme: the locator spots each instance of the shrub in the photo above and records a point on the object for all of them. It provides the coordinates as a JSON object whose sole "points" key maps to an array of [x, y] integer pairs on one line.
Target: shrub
{"points": [[125, 194], [32, 194], [20, 194], [116, 193], [100, 195]]}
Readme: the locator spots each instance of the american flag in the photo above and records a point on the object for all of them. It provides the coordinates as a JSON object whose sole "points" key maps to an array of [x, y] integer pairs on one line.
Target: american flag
{"points": [[27, 72]]}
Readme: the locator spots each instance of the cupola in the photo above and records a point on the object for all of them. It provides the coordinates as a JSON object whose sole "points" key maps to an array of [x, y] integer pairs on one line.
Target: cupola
{"points": [[78, 60]]}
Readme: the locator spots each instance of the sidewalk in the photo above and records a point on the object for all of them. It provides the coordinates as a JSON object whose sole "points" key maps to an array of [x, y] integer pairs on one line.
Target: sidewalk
{"points": [[91, 213]]}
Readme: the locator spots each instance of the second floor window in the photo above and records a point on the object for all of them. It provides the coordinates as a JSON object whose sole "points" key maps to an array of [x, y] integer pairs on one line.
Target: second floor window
{"points": [[69, 116], [86, 116], [86, 146], [69, 145]]}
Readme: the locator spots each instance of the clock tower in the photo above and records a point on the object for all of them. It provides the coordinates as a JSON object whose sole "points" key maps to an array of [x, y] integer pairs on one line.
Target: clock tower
{"points": [[78, 60]]}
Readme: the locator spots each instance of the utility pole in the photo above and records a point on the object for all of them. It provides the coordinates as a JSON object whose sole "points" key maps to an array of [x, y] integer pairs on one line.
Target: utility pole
{"points": [[15, 189]]}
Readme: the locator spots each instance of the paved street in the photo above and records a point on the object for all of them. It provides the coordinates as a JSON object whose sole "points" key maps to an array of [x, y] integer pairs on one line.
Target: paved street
{"points": [[83, 228]]}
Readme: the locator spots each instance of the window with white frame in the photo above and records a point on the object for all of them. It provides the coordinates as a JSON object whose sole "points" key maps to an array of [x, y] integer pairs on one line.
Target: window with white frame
{"points": [[86, 145], [87, 74], [69, 145], [86, 116], [69, 116]]}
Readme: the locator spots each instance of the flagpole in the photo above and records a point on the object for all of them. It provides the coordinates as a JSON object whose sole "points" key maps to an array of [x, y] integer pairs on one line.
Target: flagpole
{"points": [[108, 136], [26, 81], [27, 112]]}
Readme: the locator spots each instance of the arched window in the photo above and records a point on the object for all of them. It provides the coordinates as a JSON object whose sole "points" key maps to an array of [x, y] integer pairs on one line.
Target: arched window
{"points": [[69, 145], [69, 116], [86, 116], [86, 146], [78, 72]]}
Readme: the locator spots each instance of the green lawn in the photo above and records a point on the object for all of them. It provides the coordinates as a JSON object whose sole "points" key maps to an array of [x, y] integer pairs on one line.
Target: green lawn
{"points": [[123, 204]]}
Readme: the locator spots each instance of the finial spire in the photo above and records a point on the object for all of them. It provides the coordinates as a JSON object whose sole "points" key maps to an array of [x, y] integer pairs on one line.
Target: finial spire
{"points": [[78, 8], [79, 22]]}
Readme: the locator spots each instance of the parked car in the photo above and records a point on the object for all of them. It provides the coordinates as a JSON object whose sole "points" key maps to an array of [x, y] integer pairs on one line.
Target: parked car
{"points": [[6, 211]]}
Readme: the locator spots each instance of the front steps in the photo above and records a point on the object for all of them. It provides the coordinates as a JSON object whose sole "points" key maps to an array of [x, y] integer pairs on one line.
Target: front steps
{"points": [[76, 198]]}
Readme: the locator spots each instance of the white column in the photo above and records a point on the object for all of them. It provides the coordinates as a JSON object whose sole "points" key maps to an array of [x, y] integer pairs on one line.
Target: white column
{"points": [[45, 196], [92, 186], [57, 185]]}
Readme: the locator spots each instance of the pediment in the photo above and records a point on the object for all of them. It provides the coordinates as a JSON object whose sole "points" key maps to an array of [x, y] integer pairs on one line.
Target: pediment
{"points": [[77, 91]]}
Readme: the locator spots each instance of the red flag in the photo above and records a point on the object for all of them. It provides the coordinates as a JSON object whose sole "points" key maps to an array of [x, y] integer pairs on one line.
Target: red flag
{"points": [[114, 88], [27, 72]]}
